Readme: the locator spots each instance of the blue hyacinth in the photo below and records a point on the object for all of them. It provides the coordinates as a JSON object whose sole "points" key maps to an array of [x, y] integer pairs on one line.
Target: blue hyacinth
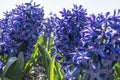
{"points": [[1, 65], [89, 45], [68, 29], [20, 28]]}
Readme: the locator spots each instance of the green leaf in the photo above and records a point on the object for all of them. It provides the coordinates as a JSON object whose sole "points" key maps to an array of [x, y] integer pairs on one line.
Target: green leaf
{"points": [[6, 79], [33, 59], [52, 69], [35, 56], [40, 40], [117, 70], [45, 38], [10, 62], [46, 59], [59, 71], [18, 68], [14, 71]]}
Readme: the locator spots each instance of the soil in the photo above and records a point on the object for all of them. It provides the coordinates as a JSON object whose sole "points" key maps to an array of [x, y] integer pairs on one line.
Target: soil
{"points": [[37, 73]]}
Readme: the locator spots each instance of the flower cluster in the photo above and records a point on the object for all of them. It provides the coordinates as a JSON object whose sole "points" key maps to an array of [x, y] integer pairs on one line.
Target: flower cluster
{"points": [[48, 25], [1, 65], [67, 30], [89, 45], [20, 29]]}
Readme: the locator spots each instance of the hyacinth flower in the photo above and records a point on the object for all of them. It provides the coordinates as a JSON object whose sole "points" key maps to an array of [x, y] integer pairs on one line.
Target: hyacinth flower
{"points": [[1, 65], [67, 30], [20, 28], [68, 38], [88, 45], [49, 24]]}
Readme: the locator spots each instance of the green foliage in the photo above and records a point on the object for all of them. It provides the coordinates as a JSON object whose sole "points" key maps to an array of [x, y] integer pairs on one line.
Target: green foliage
{"points": [[14, 66], [55, 72], [6, 79], [4, 58], [10, 62], [42, 54], [52, 69], [117, 71], [33, 59]]}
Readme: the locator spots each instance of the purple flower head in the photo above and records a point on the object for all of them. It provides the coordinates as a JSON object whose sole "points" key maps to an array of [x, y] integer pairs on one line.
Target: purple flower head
{"points": [[89, 45], [80, 58], [101, 42], [49, 24], [68, 38], [67, 30], [1, 65], [20, 29]]}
